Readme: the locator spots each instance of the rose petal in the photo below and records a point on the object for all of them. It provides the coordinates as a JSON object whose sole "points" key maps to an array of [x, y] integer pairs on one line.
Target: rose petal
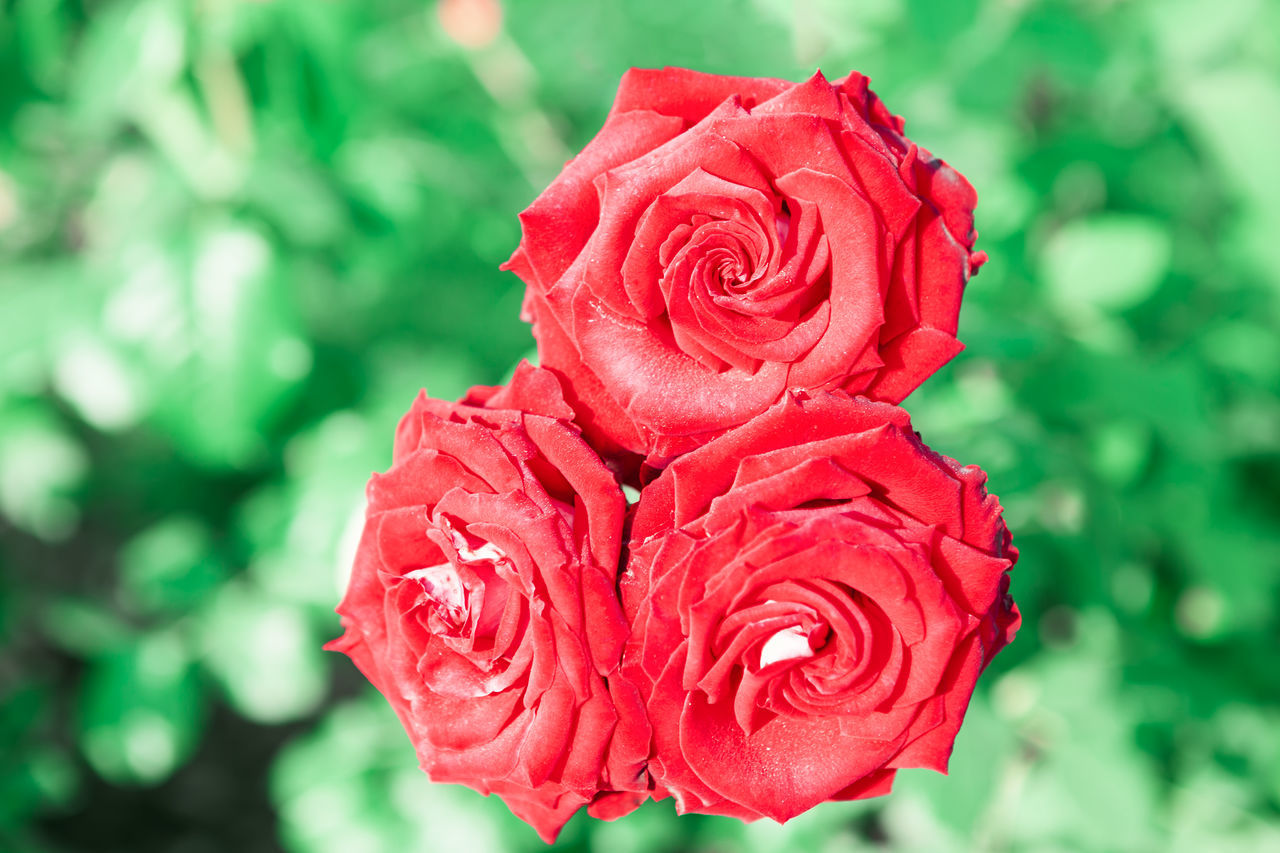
{"points": [[690, 95], [785, 767], [559, 222]]}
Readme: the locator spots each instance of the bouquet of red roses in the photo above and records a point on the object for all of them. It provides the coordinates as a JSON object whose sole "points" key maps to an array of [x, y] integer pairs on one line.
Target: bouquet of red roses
{"points": [[732, 286]]}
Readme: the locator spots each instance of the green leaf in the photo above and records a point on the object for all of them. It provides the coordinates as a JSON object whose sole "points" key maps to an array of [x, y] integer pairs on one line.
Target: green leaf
{"points": [[264, 653], [140, 710], [170, 565], [1111, 262], [247, 358], [41, 466], [353, 783], [132, 50]]}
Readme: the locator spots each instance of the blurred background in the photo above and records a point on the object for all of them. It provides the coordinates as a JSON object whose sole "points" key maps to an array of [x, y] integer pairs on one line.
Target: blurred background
{"points": [[237, 237]]}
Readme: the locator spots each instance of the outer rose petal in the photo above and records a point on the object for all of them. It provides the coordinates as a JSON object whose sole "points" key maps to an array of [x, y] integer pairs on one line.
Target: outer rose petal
{"points": [[689, 95], [784, 768], [562, 218], [661, 366], [824, 511], [483, 602]]}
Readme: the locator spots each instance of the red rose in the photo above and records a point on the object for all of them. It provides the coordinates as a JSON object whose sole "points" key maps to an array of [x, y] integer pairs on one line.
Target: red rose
{"points": [[812, 597], [723, 239], [483, 602]]}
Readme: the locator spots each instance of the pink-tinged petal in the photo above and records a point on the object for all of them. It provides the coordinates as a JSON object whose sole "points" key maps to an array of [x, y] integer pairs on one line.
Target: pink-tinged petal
{"points": [[627, 193], [530, 391], [409, 430], [402, 540], [585, 392], [697, 478], [910, 359], [953, 196], [942, 271], [665, 705], [559, 222], [689, 95], [858, 268], [785, 767], [547, 814], [494, 759], [365, 592], [814, 96], [459, 723], [612, 805], [971, 574], [932, 749], [421, 479], [472, 445], [547, 737], [809, 479], [876, 784], [643, 372], [628, 748]]}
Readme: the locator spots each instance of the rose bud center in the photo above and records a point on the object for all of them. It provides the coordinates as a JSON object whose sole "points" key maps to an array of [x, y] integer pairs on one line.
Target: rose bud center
{"points": [[465, 597], [446, 594]]}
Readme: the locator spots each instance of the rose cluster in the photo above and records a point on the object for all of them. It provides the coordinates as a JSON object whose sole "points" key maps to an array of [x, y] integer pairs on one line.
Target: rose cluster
{"points": [[732, 286]]}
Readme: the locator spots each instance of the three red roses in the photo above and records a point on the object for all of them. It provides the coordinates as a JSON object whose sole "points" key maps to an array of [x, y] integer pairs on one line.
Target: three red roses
{"points": [[731, 287]]}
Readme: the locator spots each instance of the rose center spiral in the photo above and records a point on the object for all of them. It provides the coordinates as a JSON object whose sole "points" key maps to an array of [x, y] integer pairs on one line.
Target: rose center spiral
{"points": [[728, 264]]}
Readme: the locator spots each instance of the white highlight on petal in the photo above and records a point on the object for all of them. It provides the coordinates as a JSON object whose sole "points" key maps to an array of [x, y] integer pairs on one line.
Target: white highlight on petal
{"points": [[443, 586], [788, 644], [488, 552]]}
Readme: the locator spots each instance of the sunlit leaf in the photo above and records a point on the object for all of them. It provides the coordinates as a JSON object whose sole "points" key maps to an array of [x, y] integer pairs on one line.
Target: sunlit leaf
{"points": [[265, 654], [1111, 262]]}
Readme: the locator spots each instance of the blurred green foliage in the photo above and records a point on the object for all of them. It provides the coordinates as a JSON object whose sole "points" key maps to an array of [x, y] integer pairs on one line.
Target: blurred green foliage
{"points": [[237, 237]]}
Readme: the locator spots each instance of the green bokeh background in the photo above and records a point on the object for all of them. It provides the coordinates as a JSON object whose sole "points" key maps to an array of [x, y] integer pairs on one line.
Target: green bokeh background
{"points": [[237, 237]]}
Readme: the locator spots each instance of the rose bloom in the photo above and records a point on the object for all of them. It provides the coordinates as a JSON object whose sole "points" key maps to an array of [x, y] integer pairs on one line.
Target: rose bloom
{"points": [[483, 601], [723, 239], [812, 598]]}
